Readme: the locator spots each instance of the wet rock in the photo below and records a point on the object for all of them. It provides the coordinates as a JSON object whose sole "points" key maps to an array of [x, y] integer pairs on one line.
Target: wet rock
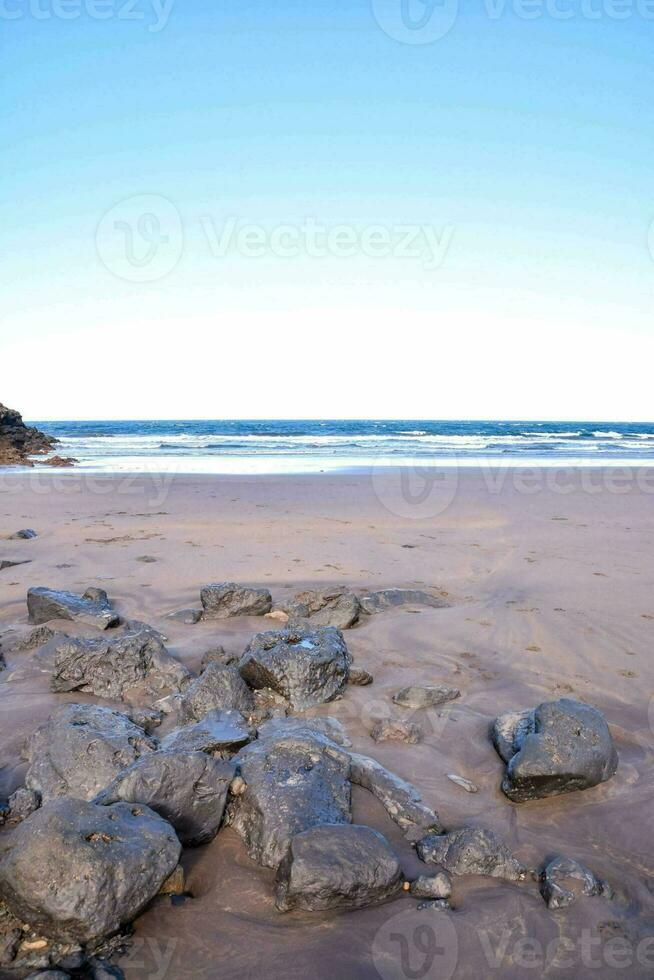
{"points": [[439, 886], [331, 728], [218, 731], [216, 687], [228, 599], [101, 970], [188, 789], [80, 749], [464, 783], [293, 782], [400, 799], [19, 441], [23, 802], [217, 656], [425, 696], [26, 534], [120, 668], [324, 607], [359, 677], [77, 872], [92, 608], [471, 851], [394, 730], [561, 746], [305, 666], [439, 905], [188, 616], [560, 878], [337, 867], [376, 602]]}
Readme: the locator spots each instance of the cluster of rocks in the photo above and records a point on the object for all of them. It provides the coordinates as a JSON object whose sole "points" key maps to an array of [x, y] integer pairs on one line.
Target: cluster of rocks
{"points": [[97, 830], [18, 442]]}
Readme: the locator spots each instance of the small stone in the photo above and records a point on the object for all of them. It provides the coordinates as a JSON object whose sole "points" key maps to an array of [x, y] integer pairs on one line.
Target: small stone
{"points": [[436, 906], [188, 616], [438, 886], [428, 696], [174, 885], [26, 534], [238, 786], [217, 655], [279, 615], [463, 783], [396, 731], [360, 677]]}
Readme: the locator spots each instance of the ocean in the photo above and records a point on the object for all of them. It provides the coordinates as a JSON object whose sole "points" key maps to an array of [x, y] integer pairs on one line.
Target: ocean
{"points": [[308, 446]]}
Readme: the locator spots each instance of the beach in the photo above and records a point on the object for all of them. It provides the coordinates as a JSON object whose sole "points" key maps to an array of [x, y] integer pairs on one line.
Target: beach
{"points": [[548, 576]]}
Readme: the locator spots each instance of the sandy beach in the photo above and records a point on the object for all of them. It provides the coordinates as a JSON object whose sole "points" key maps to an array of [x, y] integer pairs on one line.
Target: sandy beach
{"points": [[549, 579]]}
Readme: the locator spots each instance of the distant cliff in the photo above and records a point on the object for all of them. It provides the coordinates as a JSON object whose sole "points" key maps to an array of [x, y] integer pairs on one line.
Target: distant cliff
{"points": [[19, 441]]}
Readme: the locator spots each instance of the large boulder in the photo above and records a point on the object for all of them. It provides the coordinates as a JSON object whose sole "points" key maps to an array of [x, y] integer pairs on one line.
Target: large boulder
{"points": [[188, 789], [228, 599], [75, 871], [376, 602], [19, 441], [218, 732], [342, 866], [216, 687], [471, 851], [305, 666], [558, 747], [400, 799], [292, 782], [92, 608], [80, 749], [324, 607], [126, 667]]}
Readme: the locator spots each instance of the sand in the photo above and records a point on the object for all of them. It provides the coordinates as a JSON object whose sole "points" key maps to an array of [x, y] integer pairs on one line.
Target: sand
{"points": [[551, 593]]}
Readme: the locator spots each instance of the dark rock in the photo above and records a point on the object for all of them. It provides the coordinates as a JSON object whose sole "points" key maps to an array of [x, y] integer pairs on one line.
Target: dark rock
{"points": [[80, 749], [92, 608], [228, 599], [37, 638], [216, 687], [188, 616], [4, 811], [293, 782], [49, 975], [217, 656], [331, 728], [359, 677], [400, 799], [101, 970], [19, 441], [188, 789], [59, 461], [439, 886], [425, 696], [439, 905], [218, 731], [471, 851], [559, 878], [26, 534], [394, 730], [6, 563], [75, 871], [324, 607], [343, 866], [561, 746], [23, 802], [305, 666], [148, 719], [376, 602], [124, 667], [268, 704]]}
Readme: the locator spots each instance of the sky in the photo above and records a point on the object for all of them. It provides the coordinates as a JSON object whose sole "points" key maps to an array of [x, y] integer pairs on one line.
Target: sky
{"points": [[344, 209]]}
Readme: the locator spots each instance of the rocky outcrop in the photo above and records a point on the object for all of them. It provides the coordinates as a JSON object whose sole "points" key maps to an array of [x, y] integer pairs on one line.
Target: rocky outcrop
{"points": [[19, 441], [92, 608], [558, 747], [77, 872], [471, 851], [337, 867]]}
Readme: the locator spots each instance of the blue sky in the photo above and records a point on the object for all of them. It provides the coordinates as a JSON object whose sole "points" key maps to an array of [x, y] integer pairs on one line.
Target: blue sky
{"points": [[524, 145]]}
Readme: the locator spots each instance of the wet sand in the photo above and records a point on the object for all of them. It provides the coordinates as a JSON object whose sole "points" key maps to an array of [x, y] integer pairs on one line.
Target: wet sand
{"points": [[551, 595]]}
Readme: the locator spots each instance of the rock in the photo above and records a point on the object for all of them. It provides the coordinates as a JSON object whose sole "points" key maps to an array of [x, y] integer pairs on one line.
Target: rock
{"points": [[394, 730], [359, 677], [228, 599], [148, 719], [19, 441], [440, 905], [7, 563], [337, 867], [324, 607], [268, 704], [49, 975], [376, 602], [293, 782], [400, 799], [59, 461], [176, 884], [561, 746], [439, 886], [427, 696], [331, 728], [26, 534], [22, 802], [188, 616], [219, 731], [305, 666], [101, 970], [4, 811], [188, 789], [562, 872], [279, 615], [463, 783], [216, 687], [92, 608], [471, 851], [120, 668], [77, 872], [80, 749], [217, 656], [37, 638]]}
